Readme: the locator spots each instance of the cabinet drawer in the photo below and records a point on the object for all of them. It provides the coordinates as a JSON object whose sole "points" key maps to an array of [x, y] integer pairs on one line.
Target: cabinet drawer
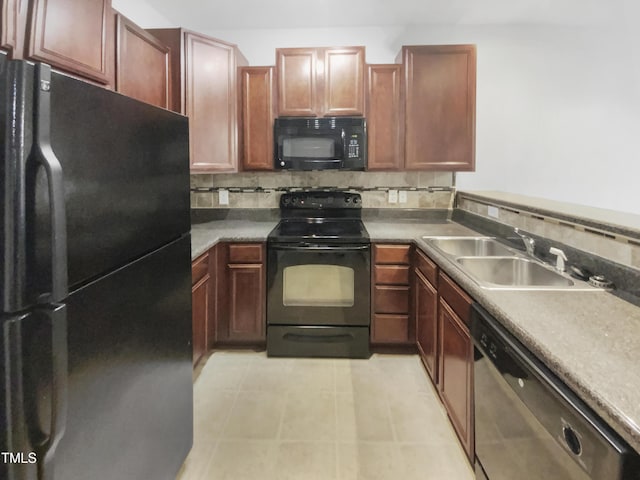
{"points": [[391, 299], [245, 253], [457, 299], [391, 275], [199, 268], [426, 267], [390, 329], [392, 254]]}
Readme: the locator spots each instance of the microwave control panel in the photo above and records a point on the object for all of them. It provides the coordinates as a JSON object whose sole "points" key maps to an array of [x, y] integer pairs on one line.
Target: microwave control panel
{"points": [[353, 147]]}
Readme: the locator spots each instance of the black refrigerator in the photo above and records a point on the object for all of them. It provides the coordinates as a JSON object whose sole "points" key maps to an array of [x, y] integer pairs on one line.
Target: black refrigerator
{"points": [[96, 374]]}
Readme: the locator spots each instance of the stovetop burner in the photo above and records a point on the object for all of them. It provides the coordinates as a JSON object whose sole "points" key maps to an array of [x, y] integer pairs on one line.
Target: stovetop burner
{"points": [[325, 216]]}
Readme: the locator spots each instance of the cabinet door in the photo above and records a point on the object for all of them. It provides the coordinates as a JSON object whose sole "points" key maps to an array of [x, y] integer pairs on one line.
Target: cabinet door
{"points": [[71, 35], [246, 302], [296, 79], [440, 107], [343, 81], [142, 64], [200, 296], [384, 117], [456, 374], [257, 117], [210, 99], [426, 315], [12, 13]]}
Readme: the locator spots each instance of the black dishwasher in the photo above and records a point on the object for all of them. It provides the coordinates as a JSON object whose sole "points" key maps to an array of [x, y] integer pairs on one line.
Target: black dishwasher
{"points": [[529, 425]]}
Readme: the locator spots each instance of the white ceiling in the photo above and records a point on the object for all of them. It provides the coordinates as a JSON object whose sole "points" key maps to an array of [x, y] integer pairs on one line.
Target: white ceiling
{"points": [[238, 14]]}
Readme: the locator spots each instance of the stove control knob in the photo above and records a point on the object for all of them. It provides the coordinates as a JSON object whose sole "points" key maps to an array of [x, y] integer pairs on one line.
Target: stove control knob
{"points": [[347, 200], [356, 200], [286, 200]]}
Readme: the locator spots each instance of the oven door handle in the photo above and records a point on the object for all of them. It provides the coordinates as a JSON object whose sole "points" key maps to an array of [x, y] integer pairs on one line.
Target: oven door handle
{"points": [[321, 248]]}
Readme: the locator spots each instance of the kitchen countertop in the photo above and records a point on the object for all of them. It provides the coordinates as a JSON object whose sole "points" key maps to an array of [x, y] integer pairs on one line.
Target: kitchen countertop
{"points": [[590, 339], [206, 235]]}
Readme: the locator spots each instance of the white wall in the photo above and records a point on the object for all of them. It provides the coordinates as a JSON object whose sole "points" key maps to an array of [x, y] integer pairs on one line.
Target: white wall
{"points": [[140, 12]]}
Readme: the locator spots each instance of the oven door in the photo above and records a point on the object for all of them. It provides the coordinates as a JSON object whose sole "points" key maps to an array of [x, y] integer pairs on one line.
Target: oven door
{"points": [[318, 285]]}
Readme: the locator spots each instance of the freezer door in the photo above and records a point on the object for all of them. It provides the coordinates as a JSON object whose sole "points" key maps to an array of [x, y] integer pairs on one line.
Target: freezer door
{"points": [[126, 179], [115, 169]]}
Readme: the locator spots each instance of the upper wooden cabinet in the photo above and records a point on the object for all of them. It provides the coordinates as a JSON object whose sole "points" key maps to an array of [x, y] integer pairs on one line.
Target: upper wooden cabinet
{"points": [[384, 117], [12, 16], [142, 64], [71, 35], [440, 102], [258, 112], [320, 81], [205, 88]]}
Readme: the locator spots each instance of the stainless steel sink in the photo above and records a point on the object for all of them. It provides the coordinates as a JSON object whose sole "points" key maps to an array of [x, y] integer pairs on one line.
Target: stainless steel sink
{"points": [[514, 273], [469, 246]]}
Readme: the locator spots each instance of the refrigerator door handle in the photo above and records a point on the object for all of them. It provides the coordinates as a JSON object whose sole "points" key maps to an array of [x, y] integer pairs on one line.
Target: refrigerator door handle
{"points": [[55, 180], [56, 317]]}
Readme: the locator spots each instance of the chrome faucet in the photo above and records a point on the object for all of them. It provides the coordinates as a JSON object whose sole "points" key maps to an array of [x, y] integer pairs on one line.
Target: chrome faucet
{"points": [[529, 243], [561, 258]]}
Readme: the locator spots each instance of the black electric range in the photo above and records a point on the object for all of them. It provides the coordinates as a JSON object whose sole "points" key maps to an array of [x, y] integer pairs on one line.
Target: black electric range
{"points": [[319, 277], [326, 217]]}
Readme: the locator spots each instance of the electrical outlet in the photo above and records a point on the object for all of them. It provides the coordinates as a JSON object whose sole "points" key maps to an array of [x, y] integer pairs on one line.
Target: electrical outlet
{"points": [[493, 211], [223, 197], [402, 196], [393, 196]]}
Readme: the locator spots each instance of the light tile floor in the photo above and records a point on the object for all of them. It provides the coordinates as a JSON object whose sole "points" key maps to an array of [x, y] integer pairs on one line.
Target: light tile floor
{"points": [[325, 419]]}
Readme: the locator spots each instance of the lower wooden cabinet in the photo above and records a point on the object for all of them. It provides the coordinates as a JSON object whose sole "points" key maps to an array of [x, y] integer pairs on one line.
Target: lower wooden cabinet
{"points": [[391, 319], [201, 296], [442, 313], [455, 379], [241, 294], [426, 316]]}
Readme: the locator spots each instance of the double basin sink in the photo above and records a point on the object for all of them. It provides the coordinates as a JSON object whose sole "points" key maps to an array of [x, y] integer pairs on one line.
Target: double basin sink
{"points": [[495, 266]]}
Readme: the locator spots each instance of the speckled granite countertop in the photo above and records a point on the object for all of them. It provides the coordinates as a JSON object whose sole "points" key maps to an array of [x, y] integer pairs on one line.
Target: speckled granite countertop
{"points": [[591, 339], [206, 235]]}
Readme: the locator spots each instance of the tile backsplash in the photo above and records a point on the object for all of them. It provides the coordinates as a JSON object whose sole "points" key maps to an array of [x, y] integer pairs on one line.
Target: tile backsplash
{"points": [[605, 243], [425, 190]]}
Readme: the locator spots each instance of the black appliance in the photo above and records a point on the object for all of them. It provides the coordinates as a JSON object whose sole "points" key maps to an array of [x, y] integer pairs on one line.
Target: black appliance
{"points": [[528, 424], [305, 143], [319, 277], [96, 375]]}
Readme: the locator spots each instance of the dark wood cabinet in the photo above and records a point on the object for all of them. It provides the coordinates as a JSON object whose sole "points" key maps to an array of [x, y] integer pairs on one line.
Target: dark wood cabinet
{"points": [[258, 112], [391, 319], [12, 16], [320, 81], [440, 100], [455, 375], [142, 64], [426, 315], [241, 294], [201, 295], [246, 310], [343, 80], [384, 117], [206, 89], [71, 35], [296, 71]]}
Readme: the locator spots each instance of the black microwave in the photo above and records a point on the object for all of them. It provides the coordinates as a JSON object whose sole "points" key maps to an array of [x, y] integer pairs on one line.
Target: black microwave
{"points": [[305, 143]]}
